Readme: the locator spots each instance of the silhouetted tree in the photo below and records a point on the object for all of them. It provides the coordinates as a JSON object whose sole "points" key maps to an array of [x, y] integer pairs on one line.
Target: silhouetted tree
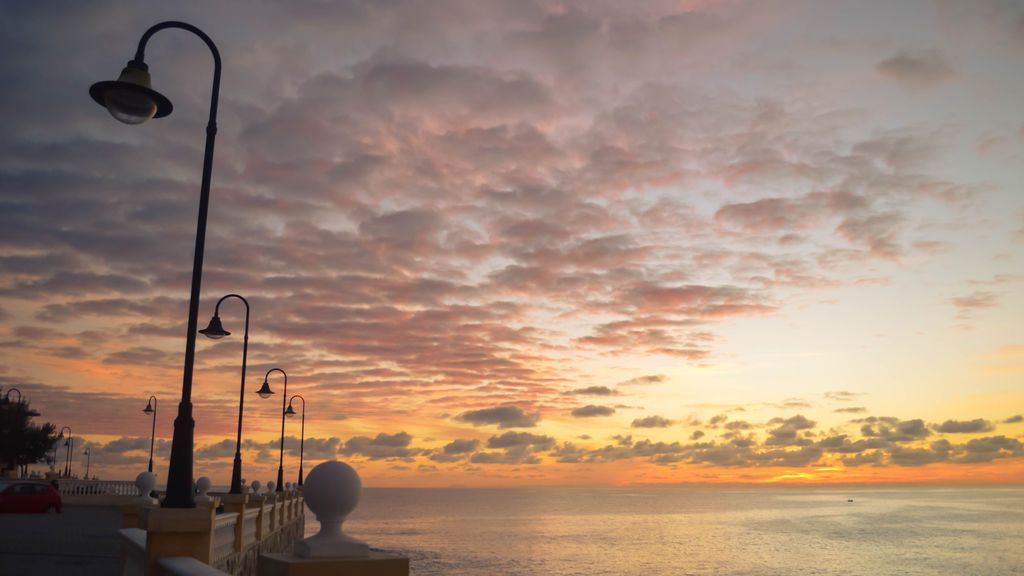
{"points": [[22, 442]]}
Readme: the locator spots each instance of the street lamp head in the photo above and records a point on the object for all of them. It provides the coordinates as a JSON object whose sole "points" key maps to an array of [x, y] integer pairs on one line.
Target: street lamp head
{"points": [[129, 99], [149, 407], [215, 330], [290, 411], [265, 391]]}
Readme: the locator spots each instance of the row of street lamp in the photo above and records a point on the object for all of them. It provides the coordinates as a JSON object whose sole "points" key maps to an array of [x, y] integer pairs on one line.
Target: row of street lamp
{"points": [[131, 100], [263, 392]]}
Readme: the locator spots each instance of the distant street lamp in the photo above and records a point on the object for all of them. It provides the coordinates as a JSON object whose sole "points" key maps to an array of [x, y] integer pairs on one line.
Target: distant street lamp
{"points": [[7, 397], [130, 99], [88, 459], [302, 438], [266, 392], [69, 444], [151, 409], [216, 331]]}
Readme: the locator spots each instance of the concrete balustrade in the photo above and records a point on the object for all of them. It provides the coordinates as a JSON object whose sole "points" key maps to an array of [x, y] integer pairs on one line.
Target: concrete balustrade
{"points": [[225, 534], [254, 533]]}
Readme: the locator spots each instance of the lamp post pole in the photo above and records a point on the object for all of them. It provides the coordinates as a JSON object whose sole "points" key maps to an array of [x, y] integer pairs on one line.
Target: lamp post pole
{"points": [[265, 392], [215, 330], [302, 435], [88, 460], [151, 409], [125, 98], [66, 465], [69, 456]]}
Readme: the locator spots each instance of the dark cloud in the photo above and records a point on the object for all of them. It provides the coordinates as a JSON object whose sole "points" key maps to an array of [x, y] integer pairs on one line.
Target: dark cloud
{"points": [[503, 416], [786, 433], [591, 410], [651, 422], [893, 429], [383, 446], [460, 446], [965, 426], [917, 71], [1014, 419], [520, 439], [991, 448], [851, 410], [594, 391], [641, 380]]}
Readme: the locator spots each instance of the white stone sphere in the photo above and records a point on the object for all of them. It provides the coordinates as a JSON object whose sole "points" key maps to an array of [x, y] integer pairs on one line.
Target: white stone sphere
{"points": [[271, 486], [256, 486], [332, 489], [145, 482]]}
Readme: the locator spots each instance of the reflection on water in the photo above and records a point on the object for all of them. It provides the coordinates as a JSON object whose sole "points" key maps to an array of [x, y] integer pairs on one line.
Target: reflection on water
{"points": [[706, 531]]}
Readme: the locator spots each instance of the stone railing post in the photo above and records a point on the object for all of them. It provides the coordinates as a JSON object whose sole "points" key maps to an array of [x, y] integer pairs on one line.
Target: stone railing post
{"points": [[332, 492], [178, 532], [270, 501], [237, 503], [258, 502]]}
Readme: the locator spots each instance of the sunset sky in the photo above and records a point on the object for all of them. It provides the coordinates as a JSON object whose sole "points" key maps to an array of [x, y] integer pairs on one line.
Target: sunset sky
{"points": [[530, 242]]}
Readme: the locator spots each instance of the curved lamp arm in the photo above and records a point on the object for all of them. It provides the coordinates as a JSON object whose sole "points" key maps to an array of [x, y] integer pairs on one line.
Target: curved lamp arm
{"points": [[140, 57], [216, 309], [7, 396]]}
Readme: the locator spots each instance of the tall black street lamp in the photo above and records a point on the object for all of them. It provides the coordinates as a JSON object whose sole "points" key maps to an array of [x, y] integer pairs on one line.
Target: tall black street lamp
{"points": [[266, 392], [216, 331], [302, 437], [151, 409], [130, 99], [88, 459]]}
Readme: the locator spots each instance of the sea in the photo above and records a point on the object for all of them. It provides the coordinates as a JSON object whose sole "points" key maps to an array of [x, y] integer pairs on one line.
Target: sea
{"points": [[682, 530]]}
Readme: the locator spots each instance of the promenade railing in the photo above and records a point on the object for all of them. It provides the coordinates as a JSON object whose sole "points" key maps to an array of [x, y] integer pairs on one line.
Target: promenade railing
{"points": [[78, 487], [246, 527]]}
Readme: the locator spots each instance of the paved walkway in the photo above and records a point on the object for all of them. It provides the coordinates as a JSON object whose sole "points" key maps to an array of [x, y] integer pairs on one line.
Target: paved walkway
{"points": [[83, 540]]}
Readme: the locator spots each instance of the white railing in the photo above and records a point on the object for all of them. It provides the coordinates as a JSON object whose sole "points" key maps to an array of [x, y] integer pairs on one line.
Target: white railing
{"points": [[224, 535], [75, 487], [249, 525], [265, 519]]}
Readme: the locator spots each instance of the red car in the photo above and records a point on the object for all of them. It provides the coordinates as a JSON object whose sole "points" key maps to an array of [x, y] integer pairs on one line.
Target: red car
{"points": [[21, 497]]}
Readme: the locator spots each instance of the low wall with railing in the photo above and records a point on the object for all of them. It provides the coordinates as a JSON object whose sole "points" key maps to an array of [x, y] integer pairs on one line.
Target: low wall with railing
{"points": [[269, 523], [245, 528]]}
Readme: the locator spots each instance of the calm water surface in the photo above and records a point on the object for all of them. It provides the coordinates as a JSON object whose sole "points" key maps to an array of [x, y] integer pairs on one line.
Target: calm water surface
{"points": [[705, 531]]}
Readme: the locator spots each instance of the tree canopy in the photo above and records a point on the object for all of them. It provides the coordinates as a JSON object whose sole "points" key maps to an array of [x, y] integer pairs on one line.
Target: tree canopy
{"points": [[22, 442]]}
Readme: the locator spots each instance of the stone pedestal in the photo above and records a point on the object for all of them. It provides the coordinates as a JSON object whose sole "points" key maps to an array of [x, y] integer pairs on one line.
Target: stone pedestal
{"points": [[236, 503], [376, 564], [177, 532]]}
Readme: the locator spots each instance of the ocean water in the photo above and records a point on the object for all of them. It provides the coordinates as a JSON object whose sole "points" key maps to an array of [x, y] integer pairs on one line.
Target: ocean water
{"points": [[704, 531]]}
